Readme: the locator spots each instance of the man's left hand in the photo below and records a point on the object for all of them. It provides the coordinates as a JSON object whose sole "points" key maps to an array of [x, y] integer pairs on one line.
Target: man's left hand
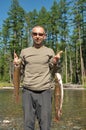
{"points": [[57, 56]]}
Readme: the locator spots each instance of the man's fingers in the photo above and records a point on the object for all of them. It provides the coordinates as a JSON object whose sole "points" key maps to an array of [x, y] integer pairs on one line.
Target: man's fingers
{"points": [[60, 52], [15, 61], [15, 55]]}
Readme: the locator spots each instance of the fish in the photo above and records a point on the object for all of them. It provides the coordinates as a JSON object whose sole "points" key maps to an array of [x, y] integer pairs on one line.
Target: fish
{"points": [[58, 96], [16, 81]]}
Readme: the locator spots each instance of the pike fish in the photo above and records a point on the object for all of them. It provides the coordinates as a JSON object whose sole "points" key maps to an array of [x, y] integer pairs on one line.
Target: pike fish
{"points": [[16, 82], [58, 96]]}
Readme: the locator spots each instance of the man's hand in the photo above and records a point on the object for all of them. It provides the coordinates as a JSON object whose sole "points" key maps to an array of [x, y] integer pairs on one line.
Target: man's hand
{"points": [[15, 61], [57, 57]]}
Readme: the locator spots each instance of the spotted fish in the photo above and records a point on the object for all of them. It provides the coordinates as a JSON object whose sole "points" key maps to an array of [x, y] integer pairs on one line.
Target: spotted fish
{"points": [[16, 82], [58, 95]]}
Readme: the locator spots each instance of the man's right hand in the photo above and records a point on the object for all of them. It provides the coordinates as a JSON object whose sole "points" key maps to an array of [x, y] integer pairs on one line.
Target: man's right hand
{"points": [[15, 61]]}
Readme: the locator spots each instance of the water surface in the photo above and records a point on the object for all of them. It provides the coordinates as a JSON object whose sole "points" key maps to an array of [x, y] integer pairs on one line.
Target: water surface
{"points": [[73, 117]]}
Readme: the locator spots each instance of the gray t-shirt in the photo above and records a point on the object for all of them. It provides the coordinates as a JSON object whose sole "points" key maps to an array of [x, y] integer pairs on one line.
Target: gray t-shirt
{"points": [[37, 63]]}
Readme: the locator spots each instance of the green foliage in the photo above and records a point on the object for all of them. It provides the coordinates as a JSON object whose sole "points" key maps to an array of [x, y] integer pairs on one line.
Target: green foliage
{"points": [[5, 84], [65, 28]]}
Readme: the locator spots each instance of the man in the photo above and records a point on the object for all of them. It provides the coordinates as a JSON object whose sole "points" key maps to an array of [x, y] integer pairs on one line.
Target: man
{"points": [[37, 93]]}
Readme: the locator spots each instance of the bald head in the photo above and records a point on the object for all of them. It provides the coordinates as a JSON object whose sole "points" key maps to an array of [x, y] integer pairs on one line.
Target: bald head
{"points": [[38, 29]]}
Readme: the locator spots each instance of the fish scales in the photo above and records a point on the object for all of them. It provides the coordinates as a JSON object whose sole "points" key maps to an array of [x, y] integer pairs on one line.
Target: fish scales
{"points": [[16, 81], [58, 96]]}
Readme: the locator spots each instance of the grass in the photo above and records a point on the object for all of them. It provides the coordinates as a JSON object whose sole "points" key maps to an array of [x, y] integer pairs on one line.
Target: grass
{"points": [[5, 84]]}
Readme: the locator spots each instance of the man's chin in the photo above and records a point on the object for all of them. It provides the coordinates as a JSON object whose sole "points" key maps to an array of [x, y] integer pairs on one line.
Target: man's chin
{"points": [[38, 43]]}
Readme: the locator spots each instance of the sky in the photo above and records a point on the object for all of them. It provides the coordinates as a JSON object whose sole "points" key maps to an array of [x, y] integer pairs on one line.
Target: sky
{"points": [[27, 5]]}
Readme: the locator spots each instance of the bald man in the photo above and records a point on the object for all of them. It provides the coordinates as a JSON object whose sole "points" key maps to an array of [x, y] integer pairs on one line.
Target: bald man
{"points": [[36, 61]]}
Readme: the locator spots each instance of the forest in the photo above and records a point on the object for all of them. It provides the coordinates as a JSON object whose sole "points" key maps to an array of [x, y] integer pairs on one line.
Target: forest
{"points": [[65, 25]]}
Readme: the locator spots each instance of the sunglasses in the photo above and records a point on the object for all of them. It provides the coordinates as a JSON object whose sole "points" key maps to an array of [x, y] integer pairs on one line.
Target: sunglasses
{"points": [[35, 34]]}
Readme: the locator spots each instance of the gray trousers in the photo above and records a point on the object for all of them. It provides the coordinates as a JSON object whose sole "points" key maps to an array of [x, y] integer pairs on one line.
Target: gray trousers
{"points": [[37, 104]]}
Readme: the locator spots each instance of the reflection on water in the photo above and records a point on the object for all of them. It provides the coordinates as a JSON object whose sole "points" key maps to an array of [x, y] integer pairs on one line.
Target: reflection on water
{"points": [[73, 118]]}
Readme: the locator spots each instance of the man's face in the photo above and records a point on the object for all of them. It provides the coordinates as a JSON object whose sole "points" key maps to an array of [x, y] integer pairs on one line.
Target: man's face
{"points": [[38, 35]]}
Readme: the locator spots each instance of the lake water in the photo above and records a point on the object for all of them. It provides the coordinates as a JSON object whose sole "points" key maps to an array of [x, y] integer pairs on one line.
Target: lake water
{"points": [[73, 117]]}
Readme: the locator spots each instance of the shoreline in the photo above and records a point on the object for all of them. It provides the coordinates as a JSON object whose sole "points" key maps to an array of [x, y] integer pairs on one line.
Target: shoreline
{"points": [[73, 88]]}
